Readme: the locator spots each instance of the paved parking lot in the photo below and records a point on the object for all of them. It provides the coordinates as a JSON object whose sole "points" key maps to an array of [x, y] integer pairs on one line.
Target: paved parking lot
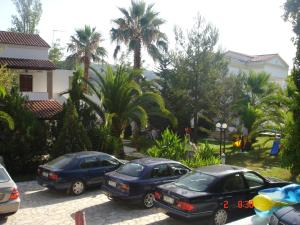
{"points": [[40, 206]]}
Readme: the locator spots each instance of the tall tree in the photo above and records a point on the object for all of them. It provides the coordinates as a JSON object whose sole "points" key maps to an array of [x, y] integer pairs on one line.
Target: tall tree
{"points": [[85, 47], [139, 27], [29, 15], [56, 53], [291, 156], [197, 61], [123, 101]]}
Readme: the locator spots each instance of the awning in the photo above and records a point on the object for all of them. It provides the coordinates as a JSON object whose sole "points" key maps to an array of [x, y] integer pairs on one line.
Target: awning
{"points": [[30, 64]]}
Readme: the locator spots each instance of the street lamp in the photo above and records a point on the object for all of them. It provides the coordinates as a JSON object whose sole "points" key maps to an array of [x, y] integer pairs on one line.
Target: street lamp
{"points": [[222, 127]]}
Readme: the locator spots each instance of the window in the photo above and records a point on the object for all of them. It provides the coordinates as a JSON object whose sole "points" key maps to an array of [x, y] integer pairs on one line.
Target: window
{"points": [[131, 169], [195, 181], [26, 82], [234, 183], [178, 170], [60, 162], [3, 176], [161, 171], [108, 161], [90, 162], [253, 180]]}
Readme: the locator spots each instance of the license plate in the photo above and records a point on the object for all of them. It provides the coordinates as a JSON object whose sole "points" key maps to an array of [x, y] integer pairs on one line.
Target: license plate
{"points": [[45, 174], [168, 199], [112, 183]]}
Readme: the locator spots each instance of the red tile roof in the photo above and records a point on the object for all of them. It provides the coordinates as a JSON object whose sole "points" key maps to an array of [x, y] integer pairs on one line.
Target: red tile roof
{"points": [[44, 109], [33, 64], [16, 38]]}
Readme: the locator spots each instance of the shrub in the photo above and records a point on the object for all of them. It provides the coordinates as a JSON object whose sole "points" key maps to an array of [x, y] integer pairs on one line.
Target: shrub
{"points": [[170, 146]]}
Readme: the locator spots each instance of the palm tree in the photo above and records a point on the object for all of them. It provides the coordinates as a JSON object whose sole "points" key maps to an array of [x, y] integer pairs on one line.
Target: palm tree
{"points": [[85, 47], [122, 101], [5, 117], [139, 27]]}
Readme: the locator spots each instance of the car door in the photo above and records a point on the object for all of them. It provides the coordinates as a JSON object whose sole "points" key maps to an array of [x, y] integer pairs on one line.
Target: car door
{"points": [[234, 192], [159, 174], [255, 183], [92, 170]]}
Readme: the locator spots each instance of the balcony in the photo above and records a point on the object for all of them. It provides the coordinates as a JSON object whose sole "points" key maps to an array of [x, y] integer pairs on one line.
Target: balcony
{"points": [[35, 95]]}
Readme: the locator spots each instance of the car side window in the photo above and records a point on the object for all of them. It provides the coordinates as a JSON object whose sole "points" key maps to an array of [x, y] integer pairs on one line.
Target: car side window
{"points": [[108, 161], [90, 162], [253, 180], [178, 170], [234, 182], [161, 171]]}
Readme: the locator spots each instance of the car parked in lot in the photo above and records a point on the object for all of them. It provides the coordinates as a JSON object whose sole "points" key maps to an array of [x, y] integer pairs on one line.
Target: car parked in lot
{"points": [[288, 215], [74, 172], [9, 194], [212, 191], [137, 180]]}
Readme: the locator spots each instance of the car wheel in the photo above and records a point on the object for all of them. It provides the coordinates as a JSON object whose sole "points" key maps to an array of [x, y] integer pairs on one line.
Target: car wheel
{"points": [[148, 201], [220, 217], [77, 188]]}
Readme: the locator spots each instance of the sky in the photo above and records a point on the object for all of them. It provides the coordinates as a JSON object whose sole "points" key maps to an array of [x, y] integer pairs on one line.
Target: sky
{"points": [[247, 26]]}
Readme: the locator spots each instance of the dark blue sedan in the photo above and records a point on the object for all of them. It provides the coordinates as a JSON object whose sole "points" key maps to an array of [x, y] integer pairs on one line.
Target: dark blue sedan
{"points": [[74, 172], [137, 180]]}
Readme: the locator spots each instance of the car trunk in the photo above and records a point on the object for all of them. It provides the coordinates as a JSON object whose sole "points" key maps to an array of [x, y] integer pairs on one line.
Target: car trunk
{"points": [[115, 179], [45, 171], [6, 189]]}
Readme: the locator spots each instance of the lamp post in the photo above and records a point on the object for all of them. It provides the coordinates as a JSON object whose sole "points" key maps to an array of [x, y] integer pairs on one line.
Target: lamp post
{"points": [[219, 125], [224, 126]]}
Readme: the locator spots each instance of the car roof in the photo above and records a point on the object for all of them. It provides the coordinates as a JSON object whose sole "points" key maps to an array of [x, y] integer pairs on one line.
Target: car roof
{"points": [[221, 170], [85, 154], [149, 161]]}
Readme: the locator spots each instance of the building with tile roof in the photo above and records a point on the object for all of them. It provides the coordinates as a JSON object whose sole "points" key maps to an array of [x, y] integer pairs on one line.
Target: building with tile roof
{"points": [[272, 64]]}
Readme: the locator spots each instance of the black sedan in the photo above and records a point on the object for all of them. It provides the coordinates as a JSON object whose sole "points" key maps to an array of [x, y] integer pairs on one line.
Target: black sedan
{"points": [[212, 191], [289, 215], [74, 172]]}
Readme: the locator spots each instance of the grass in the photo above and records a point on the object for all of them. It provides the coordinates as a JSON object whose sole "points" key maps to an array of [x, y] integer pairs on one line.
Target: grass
{"points": [[257, 159]]}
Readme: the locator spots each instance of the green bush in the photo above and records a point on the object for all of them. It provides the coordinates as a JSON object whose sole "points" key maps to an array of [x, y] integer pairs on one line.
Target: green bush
{"points": [[170, 146]]}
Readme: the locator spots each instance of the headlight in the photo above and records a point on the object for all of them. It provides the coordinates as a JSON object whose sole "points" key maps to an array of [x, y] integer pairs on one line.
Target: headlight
{"points": [[273, 220]]}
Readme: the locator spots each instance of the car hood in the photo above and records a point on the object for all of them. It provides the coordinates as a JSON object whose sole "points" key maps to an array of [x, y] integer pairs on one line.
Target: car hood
{"points": [[121, 177], [180, 191], [289, 215]]}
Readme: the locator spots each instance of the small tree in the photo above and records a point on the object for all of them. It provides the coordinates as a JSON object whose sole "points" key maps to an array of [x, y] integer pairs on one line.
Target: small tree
{"points": [[56, 53], [8, 78], [30, 12], [72, 137]]}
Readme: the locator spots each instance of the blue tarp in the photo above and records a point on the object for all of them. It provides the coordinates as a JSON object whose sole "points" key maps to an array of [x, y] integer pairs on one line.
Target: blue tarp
{"points": [[275, 147]]}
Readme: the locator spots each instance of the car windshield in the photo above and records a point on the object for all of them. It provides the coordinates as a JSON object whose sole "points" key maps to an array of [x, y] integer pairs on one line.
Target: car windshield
{"points": [[3, 176], [60, 162], [195, 181], [131, 169]]}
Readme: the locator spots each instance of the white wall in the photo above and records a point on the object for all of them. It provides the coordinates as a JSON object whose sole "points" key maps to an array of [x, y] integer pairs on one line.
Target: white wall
{"points": [[276, 71], [23, 52], [61, 83]]}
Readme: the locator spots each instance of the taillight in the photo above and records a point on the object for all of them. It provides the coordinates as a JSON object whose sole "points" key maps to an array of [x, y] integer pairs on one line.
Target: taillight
{"points": [[53, 176], [124, 187], [157, 195], [14, 194], [185, 206]]}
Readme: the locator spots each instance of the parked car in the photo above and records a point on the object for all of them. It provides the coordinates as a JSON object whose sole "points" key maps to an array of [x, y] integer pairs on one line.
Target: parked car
{"points": [[288, 215], [137, 180], [212, 191], [74, 172], [9, 194]]}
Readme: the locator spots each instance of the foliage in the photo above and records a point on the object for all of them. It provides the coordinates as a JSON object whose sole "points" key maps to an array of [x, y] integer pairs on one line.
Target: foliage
{"points": [[8, 78], [122, 100], [171, 146], [30, 12], [139, 27], [56, 53], [24, 146], [85, 48], [5, 117], [73, 136]]}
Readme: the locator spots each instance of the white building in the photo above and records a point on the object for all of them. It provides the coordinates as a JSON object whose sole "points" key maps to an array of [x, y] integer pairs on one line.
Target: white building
{"points": [[272, 64], [38, 78]]}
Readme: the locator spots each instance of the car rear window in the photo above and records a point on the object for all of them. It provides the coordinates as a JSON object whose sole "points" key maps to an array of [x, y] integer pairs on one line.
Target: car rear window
{"points": [[60, 162], [131, 169], [3, 176], [195, 181]]}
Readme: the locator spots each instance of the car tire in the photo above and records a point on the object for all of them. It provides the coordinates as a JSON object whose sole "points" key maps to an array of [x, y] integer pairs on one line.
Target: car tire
{"points": [[148, 200], [77, 187], [220, 217]]}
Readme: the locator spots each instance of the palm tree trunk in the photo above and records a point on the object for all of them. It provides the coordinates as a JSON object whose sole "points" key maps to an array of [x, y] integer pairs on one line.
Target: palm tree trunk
{"points": [[86, 72], [137, 56]]}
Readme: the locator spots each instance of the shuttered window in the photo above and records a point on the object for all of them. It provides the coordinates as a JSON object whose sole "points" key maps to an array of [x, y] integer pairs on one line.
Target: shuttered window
{"points": [[26, 82]]}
